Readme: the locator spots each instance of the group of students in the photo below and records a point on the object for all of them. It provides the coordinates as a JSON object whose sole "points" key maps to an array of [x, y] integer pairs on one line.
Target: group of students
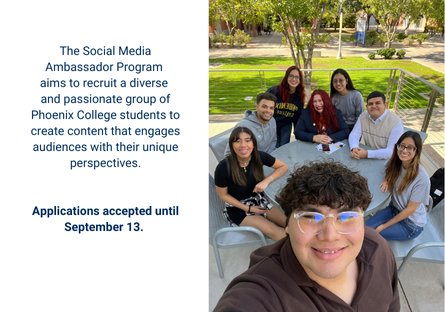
{"points": [[240, 179]]}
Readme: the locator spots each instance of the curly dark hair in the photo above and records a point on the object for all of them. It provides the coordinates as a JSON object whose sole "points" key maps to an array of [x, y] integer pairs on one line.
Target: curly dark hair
{"points": [[320, 183]]}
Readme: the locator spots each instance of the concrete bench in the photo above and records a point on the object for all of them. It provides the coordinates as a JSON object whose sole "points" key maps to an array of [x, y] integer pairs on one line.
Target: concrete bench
{"points": [[315, 53], [395, 45]]}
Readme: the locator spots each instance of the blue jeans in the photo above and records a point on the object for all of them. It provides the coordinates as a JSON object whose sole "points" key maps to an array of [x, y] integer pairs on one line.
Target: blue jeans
{"points": [[283, 134], [401, 231]]}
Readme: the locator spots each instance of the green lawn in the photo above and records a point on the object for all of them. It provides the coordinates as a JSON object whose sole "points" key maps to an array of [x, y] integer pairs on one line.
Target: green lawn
{"points": [[229, 90]]}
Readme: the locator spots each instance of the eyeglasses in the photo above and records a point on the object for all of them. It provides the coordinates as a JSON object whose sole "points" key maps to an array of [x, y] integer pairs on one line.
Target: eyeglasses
{"points": [[294, 77], [409, 149], [339, 81], [312, 223]]}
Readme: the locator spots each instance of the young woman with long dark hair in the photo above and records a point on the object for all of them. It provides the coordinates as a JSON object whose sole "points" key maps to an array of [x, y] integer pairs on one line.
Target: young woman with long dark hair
{"points": [[409, 185], [320, 121], [346, 98], [240, 182], [290, 103]]}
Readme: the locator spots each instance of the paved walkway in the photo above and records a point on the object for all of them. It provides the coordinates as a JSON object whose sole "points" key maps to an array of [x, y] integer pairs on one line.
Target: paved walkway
{"points": [[430, 53]]}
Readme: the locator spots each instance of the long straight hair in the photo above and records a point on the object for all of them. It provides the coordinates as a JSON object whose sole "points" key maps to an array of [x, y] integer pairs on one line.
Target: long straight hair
{"points": [[329, 114], [284, 89], [395, 164], [238, 175], [349, 84]]}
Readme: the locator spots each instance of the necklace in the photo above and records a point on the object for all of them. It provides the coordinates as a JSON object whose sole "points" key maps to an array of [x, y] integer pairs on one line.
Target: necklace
{"points": [[245, 165]]}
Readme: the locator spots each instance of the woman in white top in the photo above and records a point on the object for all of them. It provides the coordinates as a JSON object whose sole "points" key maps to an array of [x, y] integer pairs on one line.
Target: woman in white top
{"points": [[409, 185], [346, 98]]}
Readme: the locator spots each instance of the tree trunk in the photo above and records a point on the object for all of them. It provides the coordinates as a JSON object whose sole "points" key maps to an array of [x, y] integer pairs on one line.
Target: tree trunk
{"points": [[286, 34], [296, 35]]}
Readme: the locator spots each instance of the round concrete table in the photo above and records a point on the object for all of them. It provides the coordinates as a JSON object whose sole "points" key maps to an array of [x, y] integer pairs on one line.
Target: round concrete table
{"points": [[297, 153]]}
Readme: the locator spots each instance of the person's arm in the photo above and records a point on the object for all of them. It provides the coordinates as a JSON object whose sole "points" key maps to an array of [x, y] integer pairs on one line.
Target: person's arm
{"points": [[271, 90], [300, 130], [385, 153], [343, 132], [249, 293], [405, 213], [227, 198], [394, 305], [221, 184], [273, 144], [297, 113], [359, 105], [355, 135], [280, 169], [354, 141]]}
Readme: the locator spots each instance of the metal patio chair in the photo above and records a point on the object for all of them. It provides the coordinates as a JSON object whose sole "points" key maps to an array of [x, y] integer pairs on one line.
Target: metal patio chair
{"points": [[219, 142], [428, 246], [222, 235], [423, 135]]}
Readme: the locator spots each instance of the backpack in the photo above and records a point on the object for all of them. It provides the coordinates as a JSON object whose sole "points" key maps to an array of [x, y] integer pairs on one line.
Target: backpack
{"points": [[436, 190]]}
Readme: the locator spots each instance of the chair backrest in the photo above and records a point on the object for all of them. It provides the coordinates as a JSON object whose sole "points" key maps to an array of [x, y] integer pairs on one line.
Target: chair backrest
{"points": [[432, 232], [216, 207], [423, 135], [218, 144], [227, 236], [435, 218]]}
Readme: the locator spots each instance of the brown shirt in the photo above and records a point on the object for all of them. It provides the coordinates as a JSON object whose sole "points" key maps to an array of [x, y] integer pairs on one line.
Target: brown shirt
{"points": [[277, 282]]}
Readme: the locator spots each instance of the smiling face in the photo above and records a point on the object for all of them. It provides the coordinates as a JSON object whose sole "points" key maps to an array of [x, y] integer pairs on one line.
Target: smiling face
{"points": [[340, 83], [243, 147], [376, 107], [318, 103], [265, 109], [328, 254], [292, 80], [404, 156]]}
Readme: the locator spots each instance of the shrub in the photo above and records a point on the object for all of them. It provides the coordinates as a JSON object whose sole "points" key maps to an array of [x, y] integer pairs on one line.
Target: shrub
{"points": [[401, 36], [401, 54], [382, 37], [419, 37], [387, 53], [409, 41], [371, 38], [371, 56], [230, 40], [349, 20], [219, 38], [353, 36], [323, 38], [241, 38]]}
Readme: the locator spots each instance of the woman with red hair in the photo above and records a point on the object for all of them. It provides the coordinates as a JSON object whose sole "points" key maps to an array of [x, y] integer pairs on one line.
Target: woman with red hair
{"points": [[290, 103], [320, 121]]}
